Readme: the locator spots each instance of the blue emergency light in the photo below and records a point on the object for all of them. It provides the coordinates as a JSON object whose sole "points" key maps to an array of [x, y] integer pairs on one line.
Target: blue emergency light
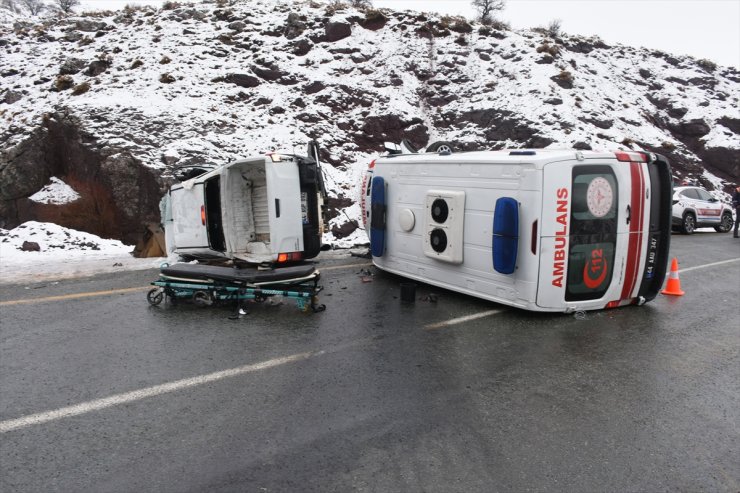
{"points": [[505, 241]]}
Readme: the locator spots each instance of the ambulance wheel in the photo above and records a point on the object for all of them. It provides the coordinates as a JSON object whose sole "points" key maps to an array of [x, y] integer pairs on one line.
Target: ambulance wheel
{"points": [[155, 296], [688, 225], [441, 146], [726, 224]]}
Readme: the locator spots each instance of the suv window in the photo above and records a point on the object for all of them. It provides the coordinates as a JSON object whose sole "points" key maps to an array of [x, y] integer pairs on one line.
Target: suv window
{"points": [[704, 195], [690, 193]]}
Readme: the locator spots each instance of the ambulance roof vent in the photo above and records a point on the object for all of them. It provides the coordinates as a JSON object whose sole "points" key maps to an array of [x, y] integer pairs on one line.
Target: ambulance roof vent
{"points": [[522, 153]]}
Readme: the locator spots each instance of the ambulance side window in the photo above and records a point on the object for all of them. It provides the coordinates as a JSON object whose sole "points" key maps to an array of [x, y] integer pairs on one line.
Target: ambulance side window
{"points": [[593, 232]]}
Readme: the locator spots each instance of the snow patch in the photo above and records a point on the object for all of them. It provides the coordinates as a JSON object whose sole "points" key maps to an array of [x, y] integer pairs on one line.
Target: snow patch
{"points": [[63, 253], [56, 192]]}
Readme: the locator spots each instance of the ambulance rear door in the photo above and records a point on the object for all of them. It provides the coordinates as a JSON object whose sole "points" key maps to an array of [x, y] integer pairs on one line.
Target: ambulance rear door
{"points": [[592, 222]]}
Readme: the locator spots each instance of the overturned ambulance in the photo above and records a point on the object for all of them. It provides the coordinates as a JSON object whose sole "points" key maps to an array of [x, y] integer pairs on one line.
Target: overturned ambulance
{"points": [[543, 230]]}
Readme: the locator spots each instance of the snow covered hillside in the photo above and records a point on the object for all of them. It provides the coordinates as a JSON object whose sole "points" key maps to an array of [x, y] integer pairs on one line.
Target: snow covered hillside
{"points": [[110, 103]]}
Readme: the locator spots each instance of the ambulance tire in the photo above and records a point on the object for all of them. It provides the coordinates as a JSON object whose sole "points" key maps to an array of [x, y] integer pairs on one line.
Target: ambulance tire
{"points": [[441, 146]]}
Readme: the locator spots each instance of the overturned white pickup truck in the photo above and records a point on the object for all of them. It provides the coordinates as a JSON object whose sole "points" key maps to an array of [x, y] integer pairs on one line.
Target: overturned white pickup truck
{"points": [[262, 209]]}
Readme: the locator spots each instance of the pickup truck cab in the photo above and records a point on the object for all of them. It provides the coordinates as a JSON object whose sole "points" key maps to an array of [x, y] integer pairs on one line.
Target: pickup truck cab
{"points": [[261, 209]]}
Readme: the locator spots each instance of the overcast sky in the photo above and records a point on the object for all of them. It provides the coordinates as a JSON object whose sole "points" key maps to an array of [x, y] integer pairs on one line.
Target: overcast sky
{"points": [[700, 28]]}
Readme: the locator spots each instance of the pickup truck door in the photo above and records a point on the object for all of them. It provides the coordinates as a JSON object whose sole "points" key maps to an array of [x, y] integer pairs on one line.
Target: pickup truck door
{"points": [[188, 202]]}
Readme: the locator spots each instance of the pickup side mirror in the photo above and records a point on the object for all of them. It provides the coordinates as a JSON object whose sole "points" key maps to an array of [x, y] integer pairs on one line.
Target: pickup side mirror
{"points": [[392, 148]]}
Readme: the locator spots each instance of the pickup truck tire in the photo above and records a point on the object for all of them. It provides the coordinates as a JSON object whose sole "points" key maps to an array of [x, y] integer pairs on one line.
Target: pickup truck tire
{"points": [[441, 146]]}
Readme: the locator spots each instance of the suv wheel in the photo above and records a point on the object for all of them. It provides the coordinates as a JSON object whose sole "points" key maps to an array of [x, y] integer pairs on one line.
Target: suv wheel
{"points": [[689, 224], [726, 224]]}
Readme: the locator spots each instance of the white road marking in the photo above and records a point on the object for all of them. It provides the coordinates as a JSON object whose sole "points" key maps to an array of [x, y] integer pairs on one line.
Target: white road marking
{"points": [[461, 320], [708, 265], [137, 395]]}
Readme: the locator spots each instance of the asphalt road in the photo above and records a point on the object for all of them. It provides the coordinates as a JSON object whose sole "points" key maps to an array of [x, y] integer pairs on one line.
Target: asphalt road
{"points": [[372, 395]]}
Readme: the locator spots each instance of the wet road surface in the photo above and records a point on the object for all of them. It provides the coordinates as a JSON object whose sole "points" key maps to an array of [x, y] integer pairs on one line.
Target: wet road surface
{"points": [[372, 395]]}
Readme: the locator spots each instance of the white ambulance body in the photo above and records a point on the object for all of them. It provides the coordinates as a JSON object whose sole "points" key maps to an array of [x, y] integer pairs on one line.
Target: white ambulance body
{"points": [[542, 230]]}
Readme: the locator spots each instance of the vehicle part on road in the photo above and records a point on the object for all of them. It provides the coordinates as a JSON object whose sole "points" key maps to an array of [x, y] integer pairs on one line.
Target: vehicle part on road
{"points": [[207, 285], [673, 286], [408, 292]]}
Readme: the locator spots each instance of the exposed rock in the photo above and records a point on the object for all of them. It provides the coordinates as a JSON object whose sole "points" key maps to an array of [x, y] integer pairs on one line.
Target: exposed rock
{"points": [[313, 87], [11, 97], [89, 25], [242, 80], [302, 47], [97, 67], [73, 36], [584, 45], [599, 122], [117, 193], [378, 129], [345, 229], [270, 72], [500, 125], [30, 246], [691, 128], [731, 123], [294, 25], [554, 101], [564, 79], [334, 31], [237, 26], [582, 146], [71, 66], [374, 20]]}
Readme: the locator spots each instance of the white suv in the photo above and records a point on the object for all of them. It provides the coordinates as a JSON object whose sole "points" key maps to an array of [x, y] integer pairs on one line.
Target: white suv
{"points": [[694, 207]]}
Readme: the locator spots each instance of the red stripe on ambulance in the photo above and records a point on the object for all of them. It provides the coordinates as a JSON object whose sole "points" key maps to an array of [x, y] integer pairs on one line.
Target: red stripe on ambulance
{"points": [[635, 233]]}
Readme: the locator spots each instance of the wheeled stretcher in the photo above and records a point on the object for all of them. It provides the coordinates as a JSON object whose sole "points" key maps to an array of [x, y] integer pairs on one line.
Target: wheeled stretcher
{"points": [[205, 285]]}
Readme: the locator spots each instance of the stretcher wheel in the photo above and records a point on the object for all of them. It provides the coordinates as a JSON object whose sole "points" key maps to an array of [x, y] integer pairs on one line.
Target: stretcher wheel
{"points": [[202, 298], [155, 296], [315, 306]]}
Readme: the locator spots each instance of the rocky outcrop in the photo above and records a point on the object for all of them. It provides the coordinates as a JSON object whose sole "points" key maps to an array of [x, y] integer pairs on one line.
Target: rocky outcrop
{"points": [[118, 194]]}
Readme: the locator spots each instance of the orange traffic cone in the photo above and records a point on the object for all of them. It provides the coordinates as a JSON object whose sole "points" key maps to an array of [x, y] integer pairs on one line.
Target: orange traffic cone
{"points": [[673, 286]]}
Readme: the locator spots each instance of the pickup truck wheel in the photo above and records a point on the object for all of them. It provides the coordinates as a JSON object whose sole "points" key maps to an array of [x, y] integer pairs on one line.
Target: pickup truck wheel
{"points": [[726, 224], [441, 146], [689, 224]]}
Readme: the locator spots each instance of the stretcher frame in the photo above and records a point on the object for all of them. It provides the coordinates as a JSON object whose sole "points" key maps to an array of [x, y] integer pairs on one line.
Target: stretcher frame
{"points": [[204, 290]]}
